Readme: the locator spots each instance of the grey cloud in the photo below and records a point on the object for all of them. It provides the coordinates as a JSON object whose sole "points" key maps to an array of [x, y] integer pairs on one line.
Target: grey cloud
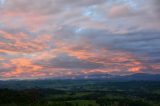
{"points": [[69, 62], [81, 3], [28, 6], [48, 6], [139, 42], [157, 6]]}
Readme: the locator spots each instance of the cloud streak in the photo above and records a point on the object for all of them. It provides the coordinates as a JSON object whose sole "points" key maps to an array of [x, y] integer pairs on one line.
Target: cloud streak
{"points": [[51, 38]]}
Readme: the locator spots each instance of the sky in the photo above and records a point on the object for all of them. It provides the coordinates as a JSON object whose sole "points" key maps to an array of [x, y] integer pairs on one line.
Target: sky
{"points": [[56, 38]]}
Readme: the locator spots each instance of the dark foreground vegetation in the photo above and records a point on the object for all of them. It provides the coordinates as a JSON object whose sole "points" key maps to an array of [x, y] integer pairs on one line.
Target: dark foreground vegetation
{"points": [[80, 93]]}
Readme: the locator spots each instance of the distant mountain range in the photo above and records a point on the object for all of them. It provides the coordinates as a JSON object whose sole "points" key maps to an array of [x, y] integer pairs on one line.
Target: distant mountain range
{"points": [[134, 77], [79, 81], [141, 76], [107, 77]]}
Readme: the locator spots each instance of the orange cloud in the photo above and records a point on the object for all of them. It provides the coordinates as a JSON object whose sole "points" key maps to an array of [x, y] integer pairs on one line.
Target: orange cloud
{"points": [[114, 61], [12, 37], [155, 66], [22, 43], [22, 65], [2, 58], [136, 69]]}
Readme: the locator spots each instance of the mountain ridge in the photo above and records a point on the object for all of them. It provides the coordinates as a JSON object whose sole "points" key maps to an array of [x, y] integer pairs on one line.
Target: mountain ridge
{"points": [[134, 77]]}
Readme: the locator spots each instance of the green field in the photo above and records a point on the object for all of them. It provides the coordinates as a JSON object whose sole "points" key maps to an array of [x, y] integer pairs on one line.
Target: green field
{"points": [[81, 93]]}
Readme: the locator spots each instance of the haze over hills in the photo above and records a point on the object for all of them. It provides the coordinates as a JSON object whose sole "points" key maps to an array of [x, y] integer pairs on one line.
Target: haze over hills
{"points": [[81, 81], [141, 76], [108, 77], [137, 76]]}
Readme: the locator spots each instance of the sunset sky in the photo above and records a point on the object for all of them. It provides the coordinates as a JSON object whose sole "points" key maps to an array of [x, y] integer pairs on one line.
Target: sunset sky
{"points": [[55, 38]]}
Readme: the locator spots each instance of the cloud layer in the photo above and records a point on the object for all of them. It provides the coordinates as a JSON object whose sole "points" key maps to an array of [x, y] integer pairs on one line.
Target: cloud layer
{"points": [[51, 38]]}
